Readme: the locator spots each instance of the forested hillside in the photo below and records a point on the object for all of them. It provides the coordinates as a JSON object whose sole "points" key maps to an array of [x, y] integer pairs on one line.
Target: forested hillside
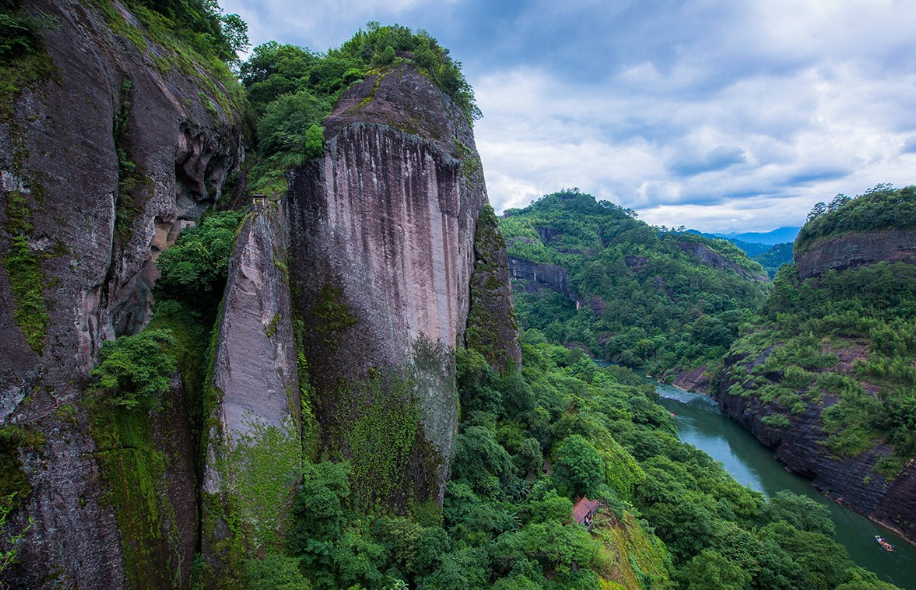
{"points": [[831, 355], [632, 293]]}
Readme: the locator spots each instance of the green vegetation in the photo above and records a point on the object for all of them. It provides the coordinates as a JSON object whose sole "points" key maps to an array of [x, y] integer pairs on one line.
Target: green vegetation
{"points": [[18, 36], [23, 267], [266, 461], [194, 270], [204, 26], [130, 177], [134, 469], [193, 38], [9, 540], [292, 89], [865, 315], [134, 369], [23, 60], [882, 207], [775, 257], [677, 520], [845, 341], [131, 386], [489, 329], [645, 297]]}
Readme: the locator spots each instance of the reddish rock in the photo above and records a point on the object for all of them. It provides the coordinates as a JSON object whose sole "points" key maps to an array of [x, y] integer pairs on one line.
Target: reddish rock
{"points": [[695, 380], [849, 250]]}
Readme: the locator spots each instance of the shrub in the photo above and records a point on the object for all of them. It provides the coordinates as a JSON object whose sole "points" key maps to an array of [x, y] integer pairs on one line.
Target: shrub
{"points": [[134, 369], [195, 268], [776, 421]]}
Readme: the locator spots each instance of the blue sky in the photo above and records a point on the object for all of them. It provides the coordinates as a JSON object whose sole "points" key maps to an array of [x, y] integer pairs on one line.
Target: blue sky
{"points": [[720, 115]]}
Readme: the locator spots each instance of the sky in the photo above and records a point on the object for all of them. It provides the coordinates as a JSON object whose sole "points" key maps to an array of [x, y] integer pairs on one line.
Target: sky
{"points": [[721, 115]]}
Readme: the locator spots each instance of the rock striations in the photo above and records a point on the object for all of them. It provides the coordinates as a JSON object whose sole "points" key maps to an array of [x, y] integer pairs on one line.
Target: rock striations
{"points": [[849, 250], [383, 253], [103, 160]]}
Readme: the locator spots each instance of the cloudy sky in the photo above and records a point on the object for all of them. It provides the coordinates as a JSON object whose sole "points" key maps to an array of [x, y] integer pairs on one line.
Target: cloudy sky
{"points": [[720, 115]]}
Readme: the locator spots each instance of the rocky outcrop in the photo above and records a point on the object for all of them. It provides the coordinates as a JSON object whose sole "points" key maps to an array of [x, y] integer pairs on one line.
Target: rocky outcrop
{"points": [[256, 414], [492, 326], [538, 276], [695, 380], [102, 161], [800, 446], [849, 250], [709, 257], [382, 236]]}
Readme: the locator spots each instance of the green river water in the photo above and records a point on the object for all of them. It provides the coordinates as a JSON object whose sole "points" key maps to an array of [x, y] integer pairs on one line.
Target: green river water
{"points": [[702, 425]]}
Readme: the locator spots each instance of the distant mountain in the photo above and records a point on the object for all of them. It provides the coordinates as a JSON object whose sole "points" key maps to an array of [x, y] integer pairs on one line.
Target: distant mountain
{"points": [[750, 248], [770, 238], [772, 258]]}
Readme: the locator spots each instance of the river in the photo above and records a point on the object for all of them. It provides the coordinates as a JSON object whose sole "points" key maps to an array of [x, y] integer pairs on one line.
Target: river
{"points": [[701, 424]]}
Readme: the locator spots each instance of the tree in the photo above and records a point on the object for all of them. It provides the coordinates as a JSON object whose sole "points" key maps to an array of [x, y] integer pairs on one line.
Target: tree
{"points": [[710, 571], [818, 210], [579, 468], [134, 369], [804, 513], [275, 572], [194, 270]]}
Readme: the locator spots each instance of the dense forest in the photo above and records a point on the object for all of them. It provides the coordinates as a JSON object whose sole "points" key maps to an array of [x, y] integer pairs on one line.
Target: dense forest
{"points": [[647, 297], [530, 443]]}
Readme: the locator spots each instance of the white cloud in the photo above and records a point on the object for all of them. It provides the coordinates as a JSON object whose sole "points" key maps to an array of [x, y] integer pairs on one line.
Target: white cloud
{"points": [[727, 115]]}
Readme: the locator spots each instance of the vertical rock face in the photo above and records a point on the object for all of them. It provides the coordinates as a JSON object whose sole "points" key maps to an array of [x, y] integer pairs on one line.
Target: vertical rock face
{"points": [[849, 250], [382, 236], [801, 448], [92, 237], [256, 418]]}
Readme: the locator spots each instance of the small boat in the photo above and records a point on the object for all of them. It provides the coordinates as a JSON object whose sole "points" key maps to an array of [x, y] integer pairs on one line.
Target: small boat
{"points": [[884, 544]]}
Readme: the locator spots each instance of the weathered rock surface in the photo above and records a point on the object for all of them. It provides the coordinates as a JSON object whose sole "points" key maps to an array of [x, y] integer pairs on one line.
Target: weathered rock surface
{"points": [[382, 237], [58, 151], [800, 447], [492, 326], [696, 380], [538, 276], [254, 373], [709, 257], [839, 252]]}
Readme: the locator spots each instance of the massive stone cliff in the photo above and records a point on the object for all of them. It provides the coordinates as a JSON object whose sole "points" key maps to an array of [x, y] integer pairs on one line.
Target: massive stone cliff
{"points": [[103, 160], [344, 305], [848, 250], [254, 426], [383, 244], [801, 448]]}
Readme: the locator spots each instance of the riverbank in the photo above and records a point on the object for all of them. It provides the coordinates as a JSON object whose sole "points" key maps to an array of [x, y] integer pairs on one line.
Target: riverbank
{"points": [[701, 424]]}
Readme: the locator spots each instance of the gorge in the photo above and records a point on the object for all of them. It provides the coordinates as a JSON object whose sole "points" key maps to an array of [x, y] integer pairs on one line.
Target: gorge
{"points": [[259, 332]]}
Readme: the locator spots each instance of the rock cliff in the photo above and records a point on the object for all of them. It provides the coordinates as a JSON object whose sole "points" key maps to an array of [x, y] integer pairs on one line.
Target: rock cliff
{"points": [[383, 243], [709, 257], [343, 307], [849, 250], [104, 157], [254, 431], [537, 276], [801, 447]]}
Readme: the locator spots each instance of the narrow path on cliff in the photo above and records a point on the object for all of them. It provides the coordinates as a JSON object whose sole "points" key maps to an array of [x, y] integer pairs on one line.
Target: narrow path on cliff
{"points": [[700, 424]]}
